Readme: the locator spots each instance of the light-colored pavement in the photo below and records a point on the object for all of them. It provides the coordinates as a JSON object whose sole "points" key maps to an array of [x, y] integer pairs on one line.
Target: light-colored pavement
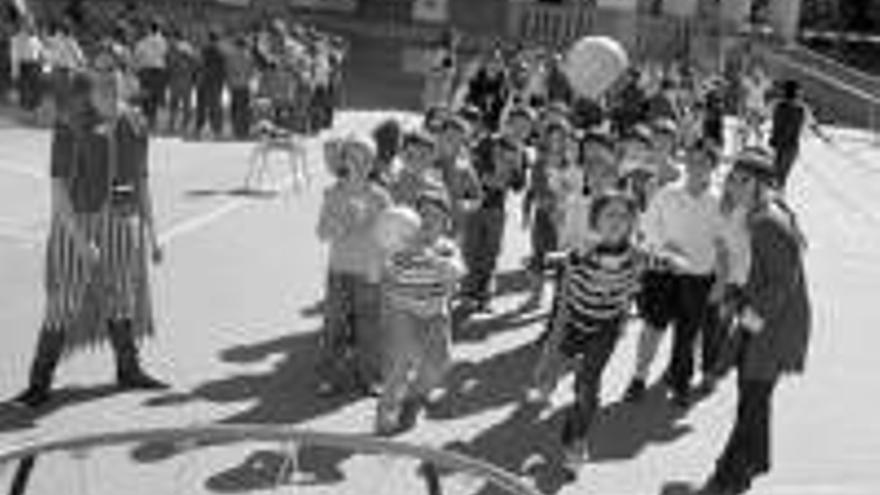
{"points": [[238, 348]]}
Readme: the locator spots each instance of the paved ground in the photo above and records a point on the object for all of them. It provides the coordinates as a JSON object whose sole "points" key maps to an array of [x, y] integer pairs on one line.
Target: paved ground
{"points": [[237, 341]]}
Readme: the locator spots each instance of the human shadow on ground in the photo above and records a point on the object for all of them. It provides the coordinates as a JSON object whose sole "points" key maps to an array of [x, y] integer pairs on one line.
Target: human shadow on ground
{"points": [[283, 395], [236, 192], [526, 444], [15, 418]]}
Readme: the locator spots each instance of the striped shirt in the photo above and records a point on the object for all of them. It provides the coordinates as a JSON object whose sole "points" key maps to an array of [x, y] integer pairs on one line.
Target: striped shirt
{"points": [[423, 281], [599, 286]]}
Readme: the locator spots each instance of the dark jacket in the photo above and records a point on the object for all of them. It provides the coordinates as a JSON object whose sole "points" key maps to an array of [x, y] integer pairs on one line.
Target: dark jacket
{"points": [[777, 291]]}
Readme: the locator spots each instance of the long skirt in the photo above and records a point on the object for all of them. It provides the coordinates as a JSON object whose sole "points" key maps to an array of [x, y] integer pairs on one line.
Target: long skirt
{"points": [[81, 295]]}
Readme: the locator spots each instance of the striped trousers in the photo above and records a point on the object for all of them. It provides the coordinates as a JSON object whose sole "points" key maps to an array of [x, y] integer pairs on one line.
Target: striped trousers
{"points": [[74, 284]]}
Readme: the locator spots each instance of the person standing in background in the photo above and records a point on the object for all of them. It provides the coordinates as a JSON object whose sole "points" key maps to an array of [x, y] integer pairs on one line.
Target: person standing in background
{"points": [[790, 115], [183, 65], [442, 68], [28, 54], [211, 81], [151, 58], [240, 72]]}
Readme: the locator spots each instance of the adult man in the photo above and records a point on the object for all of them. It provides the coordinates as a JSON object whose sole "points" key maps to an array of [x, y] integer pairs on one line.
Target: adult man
{"points": [[790, 115], [151, 54], [775, 321], [96, 281]]}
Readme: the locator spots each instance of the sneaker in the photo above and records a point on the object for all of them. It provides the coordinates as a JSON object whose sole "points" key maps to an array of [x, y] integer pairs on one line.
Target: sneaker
{"points": [[636, 391], [574, 458]]}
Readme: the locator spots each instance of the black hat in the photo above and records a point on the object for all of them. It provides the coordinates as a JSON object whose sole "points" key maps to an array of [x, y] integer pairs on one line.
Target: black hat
{"points": [[756, 162]]}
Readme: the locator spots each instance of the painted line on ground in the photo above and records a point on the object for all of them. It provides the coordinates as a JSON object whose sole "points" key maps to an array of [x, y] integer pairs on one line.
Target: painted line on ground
{"points": [[203, 220], [24, 172]]}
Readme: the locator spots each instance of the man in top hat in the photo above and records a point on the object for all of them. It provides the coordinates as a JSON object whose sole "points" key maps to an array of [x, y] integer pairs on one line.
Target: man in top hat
{"points": [[791, 115], [774, 317]]}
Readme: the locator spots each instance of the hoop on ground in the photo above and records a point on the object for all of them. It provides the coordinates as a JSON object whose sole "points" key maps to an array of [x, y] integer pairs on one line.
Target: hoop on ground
{"points": [[504, 482]]}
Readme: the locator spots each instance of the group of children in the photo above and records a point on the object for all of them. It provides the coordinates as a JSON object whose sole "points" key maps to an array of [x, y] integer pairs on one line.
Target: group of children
{"points": [[623, 213]]}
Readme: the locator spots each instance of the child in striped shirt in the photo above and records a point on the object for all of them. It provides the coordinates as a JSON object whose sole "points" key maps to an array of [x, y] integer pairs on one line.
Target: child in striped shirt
{"points": [[419, 281], [597, 290]]}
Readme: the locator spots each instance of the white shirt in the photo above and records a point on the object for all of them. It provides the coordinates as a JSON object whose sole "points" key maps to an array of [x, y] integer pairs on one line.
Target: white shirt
{"points": [[64, 52], [692, 224], [736, 238], [24, 48], [576, 233], [151, 51], [756, 88]]}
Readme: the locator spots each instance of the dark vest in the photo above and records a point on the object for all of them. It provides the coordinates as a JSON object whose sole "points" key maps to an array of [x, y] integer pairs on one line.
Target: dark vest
{"points": [[788, 122]]}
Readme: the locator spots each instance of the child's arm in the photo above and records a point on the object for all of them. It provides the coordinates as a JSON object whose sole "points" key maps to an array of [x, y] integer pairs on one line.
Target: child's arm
{"points": [[331, 223]]}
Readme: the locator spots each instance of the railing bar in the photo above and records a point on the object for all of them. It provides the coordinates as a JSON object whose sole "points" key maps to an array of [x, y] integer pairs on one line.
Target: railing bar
{"points": [[824, 77]]}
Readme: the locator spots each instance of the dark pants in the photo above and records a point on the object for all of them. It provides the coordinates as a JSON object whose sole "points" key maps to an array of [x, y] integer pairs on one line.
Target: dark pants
{"points": [[241, 112], [30, 85], [209, 108], [180, 108], [483, 233], [593, 352], [351, 343], [322, 108], [784, 161], [715, 331], [543, 236], [747, 453], [690, 311], [154, 83]]}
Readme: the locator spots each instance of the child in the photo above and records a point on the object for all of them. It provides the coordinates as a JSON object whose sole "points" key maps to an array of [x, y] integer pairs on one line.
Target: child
{"points": [[499, 166], [416, 171], [418, 282], [348, 216], [542, 205], [683, 219], [597, 290]]}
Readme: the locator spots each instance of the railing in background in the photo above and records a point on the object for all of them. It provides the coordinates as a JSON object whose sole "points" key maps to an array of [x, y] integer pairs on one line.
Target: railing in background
{"points": [[549, 24], [292, 441], [558, 25], [834, 99]]}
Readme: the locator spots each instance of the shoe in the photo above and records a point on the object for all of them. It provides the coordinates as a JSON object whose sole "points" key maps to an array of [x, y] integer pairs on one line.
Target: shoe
{"points": [[573, 459], [681, 399], [635, 392], [50, 347], [32, 398], [708, 385], [129, 373], [139, 380]]}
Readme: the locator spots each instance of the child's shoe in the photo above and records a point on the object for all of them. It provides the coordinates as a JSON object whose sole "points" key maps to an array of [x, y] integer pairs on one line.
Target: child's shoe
{"points": [[574, 457], [635, 392]]}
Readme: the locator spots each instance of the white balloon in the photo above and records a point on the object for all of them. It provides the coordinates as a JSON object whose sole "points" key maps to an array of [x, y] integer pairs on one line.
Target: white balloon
{"points": [[396, 227], [594, 64]]}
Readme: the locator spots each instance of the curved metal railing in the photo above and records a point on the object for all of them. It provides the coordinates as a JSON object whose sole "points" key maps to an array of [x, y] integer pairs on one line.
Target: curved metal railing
{"points": [[433, 459]]}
